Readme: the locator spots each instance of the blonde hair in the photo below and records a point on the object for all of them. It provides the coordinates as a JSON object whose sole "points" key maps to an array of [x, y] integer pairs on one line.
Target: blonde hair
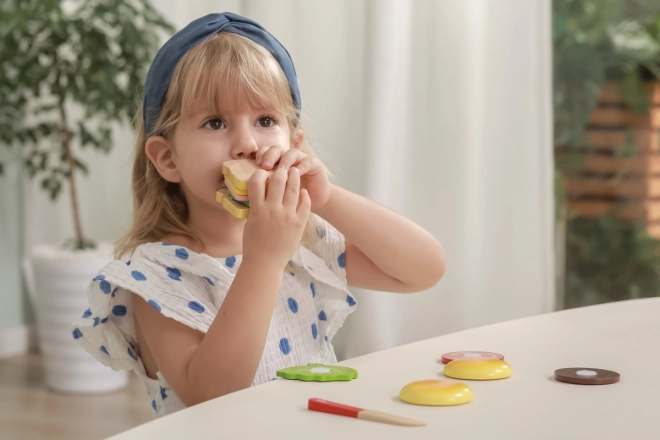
{"points": [[235, 74]]}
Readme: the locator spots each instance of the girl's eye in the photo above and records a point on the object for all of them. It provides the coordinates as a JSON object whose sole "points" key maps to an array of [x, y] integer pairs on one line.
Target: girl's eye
{"points": [[215, 124], [266, 122]]}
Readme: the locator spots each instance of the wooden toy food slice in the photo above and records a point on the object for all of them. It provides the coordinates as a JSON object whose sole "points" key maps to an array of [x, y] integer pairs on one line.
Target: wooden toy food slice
{"points": [[436, 392], [448, 357], [478, 369], [587, 376], [318, 373]]}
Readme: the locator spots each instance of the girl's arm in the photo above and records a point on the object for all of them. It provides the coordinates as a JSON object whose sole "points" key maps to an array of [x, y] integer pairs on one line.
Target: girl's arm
{"points": [[200, 367], [384, 250]]}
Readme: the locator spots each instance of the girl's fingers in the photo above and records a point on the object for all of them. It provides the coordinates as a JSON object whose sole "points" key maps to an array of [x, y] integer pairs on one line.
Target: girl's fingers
{"points": [[306, 165], [276, 186], [290, 158], [292, 190], [257, 188], [271, 157], [259, 156]]}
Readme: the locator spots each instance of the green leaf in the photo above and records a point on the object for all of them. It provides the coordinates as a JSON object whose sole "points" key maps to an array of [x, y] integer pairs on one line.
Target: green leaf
{"points": [[81, 166]]}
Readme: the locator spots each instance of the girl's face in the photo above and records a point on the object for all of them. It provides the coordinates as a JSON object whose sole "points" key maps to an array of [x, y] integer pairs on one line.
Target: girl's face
{"points": [[202, 141]]}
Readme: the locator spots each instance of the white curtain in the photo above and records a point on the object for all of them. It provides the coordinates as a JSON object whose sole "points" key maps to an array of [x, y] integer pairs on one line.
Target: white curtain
{"points": [[460, 102], [438, 109]]}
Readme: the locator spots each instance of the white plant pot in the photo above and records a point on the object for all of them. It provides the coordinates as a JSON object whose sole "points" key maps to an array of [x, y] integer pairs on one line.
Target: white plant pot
{"points": [[57, 281]]}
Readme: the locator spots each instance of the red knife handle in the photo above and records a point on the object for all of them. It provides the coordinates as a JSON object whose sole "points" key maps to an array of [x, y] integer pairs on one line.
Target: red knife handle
{"points": [[322, 405]]}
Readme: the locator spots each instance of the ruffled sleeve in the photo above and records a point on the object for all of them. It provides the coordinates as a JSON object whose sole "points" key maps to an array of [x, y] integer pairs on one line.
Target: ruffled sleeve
{"points": [[181, 285]]}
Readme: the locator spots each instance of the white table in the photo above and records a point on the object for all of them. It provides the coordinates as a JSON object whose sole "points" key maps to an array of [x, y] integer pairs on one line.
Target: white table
{"points": [[624, 337]]}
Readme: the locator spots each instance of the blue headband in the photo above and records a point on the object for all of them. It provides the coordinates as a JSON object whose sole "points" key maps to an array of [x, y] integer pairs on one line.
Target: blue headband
{"points": [[161, 70]]}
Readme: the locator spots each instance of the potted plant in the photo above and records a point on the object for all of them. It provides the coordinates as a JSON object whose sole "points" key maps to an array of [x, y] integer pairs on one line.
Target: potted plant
{"points": [[606, 80], [68, 71]]}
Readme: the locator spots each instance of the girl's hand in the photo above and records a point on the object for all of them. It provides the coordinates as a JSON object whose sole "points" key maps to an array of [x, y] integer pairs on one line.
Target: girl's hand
{"points": [[277, 218], [313, 175]]}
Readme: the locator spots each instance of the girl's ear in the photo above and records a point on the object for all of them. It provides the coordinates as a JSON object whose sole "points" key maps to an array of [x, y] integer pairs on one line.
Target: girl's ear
{"points": [[160, 154], [298, 137]]}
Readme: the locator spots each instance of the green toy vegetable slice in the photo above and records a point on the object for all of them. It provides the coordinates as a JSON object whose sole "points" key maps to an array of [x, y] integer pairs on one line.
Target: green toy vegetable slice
{"points": [[318, 373]]}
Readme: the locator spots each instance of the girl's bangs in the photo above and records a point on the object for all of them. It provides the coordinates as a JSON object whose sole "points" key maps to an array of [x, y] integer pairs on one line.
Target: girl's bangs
{"points": [[235, 79]]}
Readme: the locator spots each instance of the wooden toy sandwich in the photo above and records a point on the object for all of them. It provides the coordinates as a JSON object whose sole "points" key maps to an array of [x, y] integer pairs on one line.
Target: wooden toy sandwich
{"points": [[233, 195]]}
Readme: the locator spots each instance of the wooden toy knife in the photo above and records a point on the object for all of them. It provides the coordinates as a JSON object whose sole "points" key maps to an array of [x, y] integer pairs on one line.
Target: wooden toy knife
{"points": [[325, 406]]}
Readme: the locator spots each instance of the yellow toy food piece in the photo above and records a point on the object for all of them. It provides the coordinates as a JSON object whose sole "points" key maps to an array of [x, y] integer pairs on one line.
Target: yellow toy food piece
{"points": [[478, 369], [236, 209], [436, 392]]}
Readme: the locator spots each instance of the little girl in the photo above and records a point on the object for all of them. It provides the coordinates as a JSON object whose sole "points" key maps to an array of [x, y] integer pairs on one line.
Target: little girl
{"points": [[201, 304]]}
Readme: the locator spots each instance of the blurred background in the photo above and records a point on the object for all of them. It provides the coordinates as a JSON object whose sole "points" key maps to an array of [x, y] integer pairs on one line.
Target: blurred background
{"points": [[522, 134]]}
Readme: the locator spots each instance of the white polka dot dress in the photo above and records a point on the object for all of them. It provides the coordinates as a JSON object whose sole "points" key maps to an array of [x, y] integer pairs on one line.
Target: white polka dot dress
{"points": [[312, 305]]}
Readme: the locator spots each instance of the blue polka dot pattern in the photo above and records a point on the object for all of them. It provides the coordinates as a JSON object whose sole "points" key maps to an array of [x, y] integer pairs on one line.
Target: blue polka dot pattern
{"points": [[104, 320], [323, 316], [162, 393], [181, 253], [313, 289], [230, 262], [284, 346], [326, 338], [87, 313], [104, 350], [315, 331], [320, 231], [350, 300], [209, 280], [96, 321], [167, 244], [119, 310], [105, 287], [139, 276], [197, 307], [293, 305], [128, 263], [341, 260], [99, 277], [77, 334], [153, 405], [132, 354], [173, 273], [114, 291], [154, 304]]}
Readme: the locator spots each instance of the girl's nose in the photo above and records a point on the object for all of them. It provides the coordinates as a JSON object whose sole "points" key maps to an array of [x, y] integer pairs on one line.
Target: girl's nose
{"points": [[244, 146]]}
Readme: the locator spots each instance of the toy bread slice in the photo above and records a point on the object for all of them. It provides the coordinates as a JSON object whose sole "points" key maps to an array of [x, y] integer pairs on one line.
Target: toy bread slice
{"points": [[236, 209], [238, 173]]}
